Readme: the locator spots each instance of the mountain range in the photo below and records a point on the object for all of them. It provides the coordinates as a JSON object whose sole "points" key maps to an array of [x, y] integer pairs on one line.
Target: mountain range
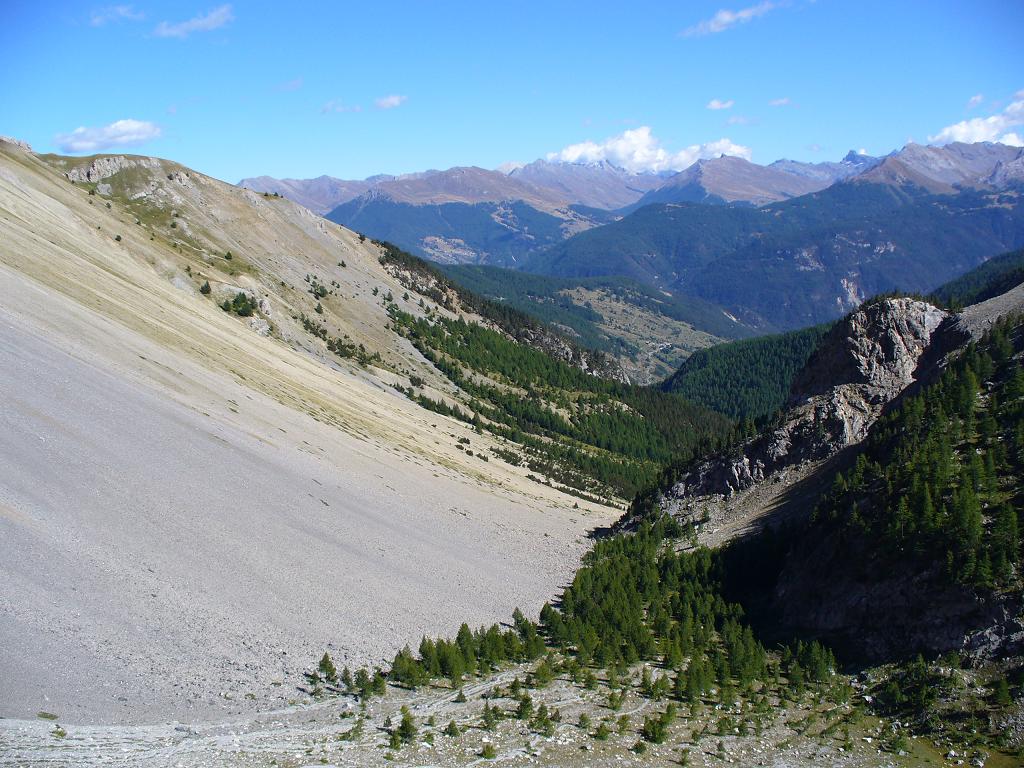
{"points": [[775, 247], [526, 216], [474, 215]]}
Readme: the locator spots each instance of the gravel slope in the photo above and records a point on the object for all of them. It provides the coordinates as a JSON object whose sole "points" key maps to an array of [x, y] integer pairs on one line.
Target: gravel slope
{"points": [[153, 557], [190, 512]]}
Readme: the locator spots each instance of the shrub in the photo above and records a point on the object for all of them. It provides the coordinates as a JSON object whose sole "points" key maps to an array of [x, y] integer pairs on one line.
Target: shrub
{"points": [[407, 728], [205, 288]]}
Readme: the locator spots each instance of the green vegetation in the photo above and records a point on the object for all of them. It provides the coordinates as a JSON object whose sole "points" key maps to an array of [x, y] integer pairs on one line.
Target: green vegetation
{"points": [[470, 653], [546, 299], [996, 276], [589, 434], [242, 305], [747, 379], [780, 265], [432, 282], [575, 427], [939, 479], [340, 347], [955, 707], [635, 599]]}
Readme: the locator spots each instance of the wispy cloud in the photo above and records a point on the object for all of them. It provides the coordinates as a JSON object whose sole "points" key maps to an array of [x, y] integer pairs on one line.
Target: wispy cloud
{"points": [[719, 104], [390, 102], [726, 19], [741, 120], [783, 102], [290, 85], [638, 150], [995, 127], [336, 107], [103, 16], [120, 133], [204, 22], [975, 100]]}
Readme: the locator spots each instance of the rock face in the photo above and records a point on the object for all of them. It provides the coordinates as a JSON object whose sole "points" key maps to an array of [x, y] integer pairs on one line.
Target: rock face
{"points": [[105, 166], [864, 363], [874, 609], [836, 584]]}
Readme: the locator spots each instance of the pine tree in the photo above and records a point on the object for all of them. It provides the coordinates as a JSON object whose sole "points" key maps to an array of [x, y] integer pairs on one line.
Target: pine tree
{"points": [[327, 669], [407, 727]]}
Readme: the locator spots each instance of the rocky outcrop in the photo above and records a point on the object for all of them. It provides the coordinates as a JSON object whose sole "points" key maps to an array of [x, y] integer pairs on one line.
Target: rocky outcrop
{"points": [[861, 366], [16, 142], [105, 166], [560, 348]]}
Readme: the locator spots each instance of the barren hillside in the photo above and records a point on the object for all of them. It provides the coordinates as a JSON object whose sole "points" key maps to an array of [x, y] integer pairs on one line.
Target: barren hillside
{"points": [[197, 500]]}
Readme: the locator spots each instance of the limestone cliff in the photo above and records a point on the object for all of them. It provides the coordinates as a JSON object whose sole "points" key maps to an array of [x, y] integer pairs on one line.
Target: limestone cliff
{"points": [[862, 365]]}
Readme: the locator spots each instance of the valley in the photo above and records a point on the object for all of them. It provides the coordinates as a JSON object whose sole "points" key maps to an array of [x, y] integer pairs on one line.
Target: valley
{"points": [[173, 422], [317, 430], [444, 386]]}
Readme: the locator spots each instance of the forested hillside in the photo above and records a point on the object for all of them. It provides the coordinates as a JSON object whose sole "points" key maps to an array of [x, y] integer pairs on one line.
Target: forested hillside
{"points": [[584, 432], [457, 232], [939, 480], [920, 541], [995, 276], [548, 298], [803, 261], [649, 332], [747, 379]]}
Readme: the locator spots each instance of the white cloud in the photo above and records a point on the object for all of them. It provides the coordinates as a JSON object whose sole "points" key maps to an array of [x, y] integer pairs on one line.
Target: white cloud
{"points": [[207, 22], [390, 102], [975, 100], [335, 106], [992, 128], [783, 102], [725, 19], [719, 104], [637, 150], [121, 133], [103, 16]]}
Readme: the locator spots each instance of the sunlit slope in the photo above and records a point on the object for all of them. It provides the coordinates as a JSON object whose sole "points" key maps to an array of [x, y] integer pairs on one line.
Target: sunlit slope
{"points": [[188, 505]]}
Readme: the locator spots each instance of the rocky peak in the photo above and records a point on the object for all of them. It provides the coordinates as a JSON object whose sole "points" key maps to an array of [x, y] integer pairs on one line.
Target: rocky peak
{"points": [[874, 351], [865, 362]]}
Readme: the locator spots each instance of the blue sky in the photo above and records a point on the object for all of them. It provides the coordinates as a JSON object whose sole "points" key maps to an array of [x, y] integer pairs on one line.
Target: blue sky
{"points": [[352, 89]]}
